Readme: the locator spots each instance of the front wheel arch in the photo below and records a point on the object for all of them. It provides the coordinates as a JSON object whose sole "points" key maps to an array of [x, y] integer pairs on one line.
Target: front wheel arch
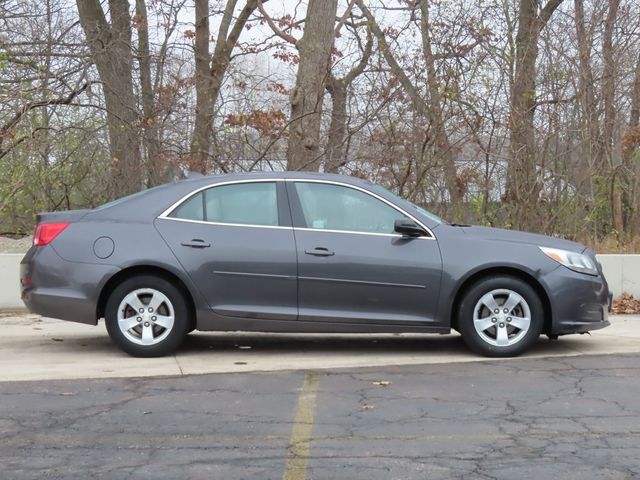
{"points": [[495, 271]]}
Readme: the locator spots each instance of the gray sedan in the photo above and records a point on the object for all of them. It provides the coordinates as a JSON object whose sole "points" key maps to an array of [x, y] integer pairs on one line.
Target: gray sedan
{"points": [[303, 252]]}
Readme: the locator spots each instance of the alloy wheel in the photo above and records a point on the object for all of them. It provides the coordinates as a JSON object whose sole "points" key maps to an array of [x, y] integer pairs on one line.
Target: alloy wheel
{"points": [[502, 317], [146, 316]]}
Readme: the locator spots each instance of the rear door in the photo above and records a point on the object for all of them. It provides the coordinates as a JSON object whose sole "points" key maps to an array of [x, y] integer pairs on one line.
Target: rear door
{"points": [[236, 242], [352, 267]]}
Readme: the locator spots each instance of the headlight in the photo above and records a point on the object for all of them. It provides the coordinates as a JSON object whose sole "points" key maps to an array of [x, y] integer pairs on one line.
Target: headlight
{"points": [[575, 261]]}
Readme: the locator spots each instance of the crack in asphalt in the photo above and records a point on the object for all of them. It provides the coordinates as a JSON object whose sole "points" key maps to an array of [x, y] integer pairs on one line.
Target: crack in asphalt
{"points": [[564, 418]]}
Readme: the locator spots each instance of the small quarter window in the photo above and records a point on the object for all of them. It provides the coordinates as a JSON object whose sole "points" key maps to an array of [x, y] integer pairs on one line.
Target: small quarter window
{"points": [[191, 209], [253, 203]]}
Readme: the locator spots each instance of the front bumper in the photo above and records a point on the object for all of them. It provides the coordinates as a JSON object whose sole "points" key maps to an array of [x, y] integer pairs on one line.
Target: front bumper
{"points": [[579, 302]]}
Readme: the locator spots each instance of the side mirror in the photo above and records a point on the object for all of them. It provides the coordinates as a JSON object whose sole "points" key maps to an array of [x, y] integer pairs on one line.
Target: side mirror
{"points": [[408, 228]]}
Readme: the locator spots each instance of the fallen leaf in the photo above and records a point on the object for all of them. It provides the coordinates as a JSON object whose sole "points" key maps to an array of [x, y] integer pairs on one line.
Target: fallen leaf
{"points": [[625, 303]]}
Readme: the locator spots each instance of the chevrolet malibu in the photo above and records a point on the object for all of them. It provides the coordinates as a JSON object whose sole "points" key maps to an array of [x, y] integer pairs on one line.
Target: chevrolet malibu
{"points": [[303, 252]]}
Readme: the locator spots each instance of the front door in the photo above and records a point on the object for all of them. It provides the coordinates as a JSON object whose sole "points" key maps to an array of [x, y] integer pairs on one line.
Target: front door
{"points": [[236, 243], [352, 267]]}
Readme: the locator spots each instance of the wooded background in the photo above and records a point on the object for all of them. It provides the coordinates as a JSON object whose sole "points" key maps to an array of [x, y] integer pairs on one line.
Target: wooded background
{"points": [[512, 113]]}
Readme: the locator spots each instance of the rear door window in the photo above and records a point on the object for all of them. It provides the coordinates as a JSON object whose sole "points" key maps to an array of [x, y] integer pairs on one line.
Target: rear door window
{"points": [[254, 203]]}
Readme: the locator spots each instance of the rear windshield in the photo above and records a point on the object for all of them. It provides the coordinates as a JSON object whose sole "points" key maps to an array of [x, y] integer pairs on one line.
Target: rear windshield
{"points": [[126, 198]]}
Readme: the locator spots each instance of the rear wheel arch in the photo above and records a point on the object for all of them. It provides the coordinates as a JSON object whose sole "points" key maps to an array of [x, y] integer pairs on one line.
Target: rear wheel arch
{"points": [[139, 270], [510, 271]]}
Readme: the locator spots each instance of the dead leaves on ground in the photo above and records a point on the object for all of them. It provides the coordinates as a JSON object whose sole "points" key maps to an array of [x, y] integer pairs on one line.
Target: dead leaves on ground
{"points": [[626, 303]]}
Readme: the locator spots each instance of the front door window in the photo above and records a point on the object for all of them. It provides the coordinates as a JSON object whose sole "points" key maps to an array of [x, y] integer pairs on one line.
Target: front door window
{"points": [[334, 207]]}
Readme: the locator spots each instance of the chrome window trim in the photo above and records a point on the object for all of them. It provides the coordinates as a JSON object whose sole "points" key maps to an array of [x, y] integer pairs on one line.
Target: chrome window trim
{"points": [[364, 190], [354, 232], [165, 214], [222, 224]]}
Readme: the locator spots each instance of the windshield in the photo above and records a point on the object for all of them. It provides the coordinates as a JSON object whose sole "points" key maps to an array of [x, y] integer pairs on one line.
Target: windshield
{"points": [[407, 204]]}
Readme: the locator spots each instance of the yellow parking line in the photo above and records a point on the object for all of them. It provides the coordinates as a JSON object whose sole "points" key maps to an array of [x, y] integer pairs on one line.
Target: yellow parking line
{"points": [[300, 440]]}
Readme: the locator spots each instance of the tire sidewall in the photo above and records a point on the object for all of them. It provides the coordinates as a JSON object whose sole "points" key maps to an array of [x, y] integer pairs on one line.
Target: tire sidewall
{"points": [[181, 324], [473, 295]]}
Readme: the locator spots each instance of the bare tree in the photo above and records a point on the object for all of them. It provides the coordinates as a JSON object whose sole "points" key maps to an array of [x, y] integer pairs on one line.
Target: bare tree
{"points": [[338, 88], [210, 72], [523, 185], [306, 98], [110, 44], [155, 173]]}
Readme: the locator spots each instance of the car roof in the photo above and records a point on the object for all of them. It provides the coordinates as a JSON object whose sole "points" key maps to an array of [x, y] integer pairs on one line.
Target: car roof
{"points": [[303, 175], [150, 203]]}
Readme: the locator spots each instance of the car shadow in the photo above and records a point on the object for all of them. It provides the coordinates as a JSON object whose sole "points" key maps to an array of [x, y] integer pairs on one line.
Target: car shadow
{"points": [[332, 344]]}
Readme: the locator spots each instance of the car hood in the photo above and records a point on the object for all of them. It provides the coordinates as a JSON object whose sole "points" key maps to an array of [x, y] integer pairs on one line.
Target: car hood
{"points": [[503, 235]]}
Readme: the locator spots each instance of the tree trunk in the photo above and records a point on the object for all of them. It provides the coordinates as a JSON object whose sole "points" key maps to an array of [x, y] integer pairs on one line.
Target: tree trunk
{"points": [[338, 88], [155, 169], [200, 140], [608, 99], [523, 187], [209, 76], [303, 152], [591, 131], [110, 45], [444, 150], [630, 149], [338, 127]]}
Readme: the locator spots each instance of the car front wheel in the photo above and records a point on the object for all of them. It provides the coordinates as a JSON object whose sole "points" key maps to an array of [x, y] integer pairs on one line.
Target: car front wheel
{"points": [[147, 316], [500, 316]]}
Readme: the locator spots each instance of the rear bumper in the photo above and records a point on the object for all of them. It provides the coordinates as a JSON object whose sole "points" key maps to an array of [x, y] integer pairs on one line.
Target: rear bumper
{"points": [[579, 302], [56, 288]]}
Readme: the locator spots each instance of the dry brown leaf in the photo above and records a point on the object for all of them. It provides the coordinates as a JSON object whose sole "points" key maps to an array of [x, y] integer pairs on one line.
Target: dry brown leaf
{"points": [[626, 304]]}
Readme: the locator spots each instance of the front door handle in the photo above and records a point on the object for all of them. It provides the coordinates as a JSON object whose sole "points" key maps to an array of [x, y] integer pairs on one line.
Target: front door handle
{"points": [[320, 252], [196, 243]]}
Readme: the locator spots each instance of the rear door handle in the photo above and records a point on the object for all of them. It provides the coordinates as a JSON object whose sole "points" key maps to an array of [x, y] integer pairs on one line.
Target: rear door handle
{"points": [[196, 243], [320, 252]]}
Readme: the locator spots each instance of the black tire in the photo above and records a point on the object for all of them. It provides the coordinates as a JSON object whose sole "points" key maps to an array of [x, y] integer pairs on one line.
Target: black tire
{"points": [[182, 322], [472, 296]]}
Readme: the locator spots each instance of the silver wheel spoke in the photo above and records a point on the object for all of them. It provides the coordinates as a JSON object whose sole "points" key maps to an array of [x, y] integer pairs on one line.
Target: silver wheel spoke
{"points": [[502, 337], [490, 302], [134, 301], [521, 322], [156, 301], [511, 302], [164, 321], [128, 323], [147, 335], [484, 324]]}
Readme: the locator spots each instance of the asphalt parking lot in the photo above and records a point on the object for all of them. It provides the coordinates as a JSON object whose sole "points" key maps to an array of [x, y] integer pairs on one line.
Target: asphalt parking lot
{"points": [[568, 410]]}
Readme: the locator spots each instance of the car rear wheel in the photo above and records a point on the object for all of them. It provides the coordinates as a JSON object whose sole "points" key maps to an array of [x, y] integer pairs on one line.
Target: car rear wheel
{"points": [[500, 316], [147, 316]]}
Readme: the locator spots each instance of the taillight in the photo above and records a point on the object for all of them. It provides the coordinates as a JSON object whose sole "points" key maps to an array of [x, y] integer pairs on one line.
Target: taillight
{"points": [[46, 232]]}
